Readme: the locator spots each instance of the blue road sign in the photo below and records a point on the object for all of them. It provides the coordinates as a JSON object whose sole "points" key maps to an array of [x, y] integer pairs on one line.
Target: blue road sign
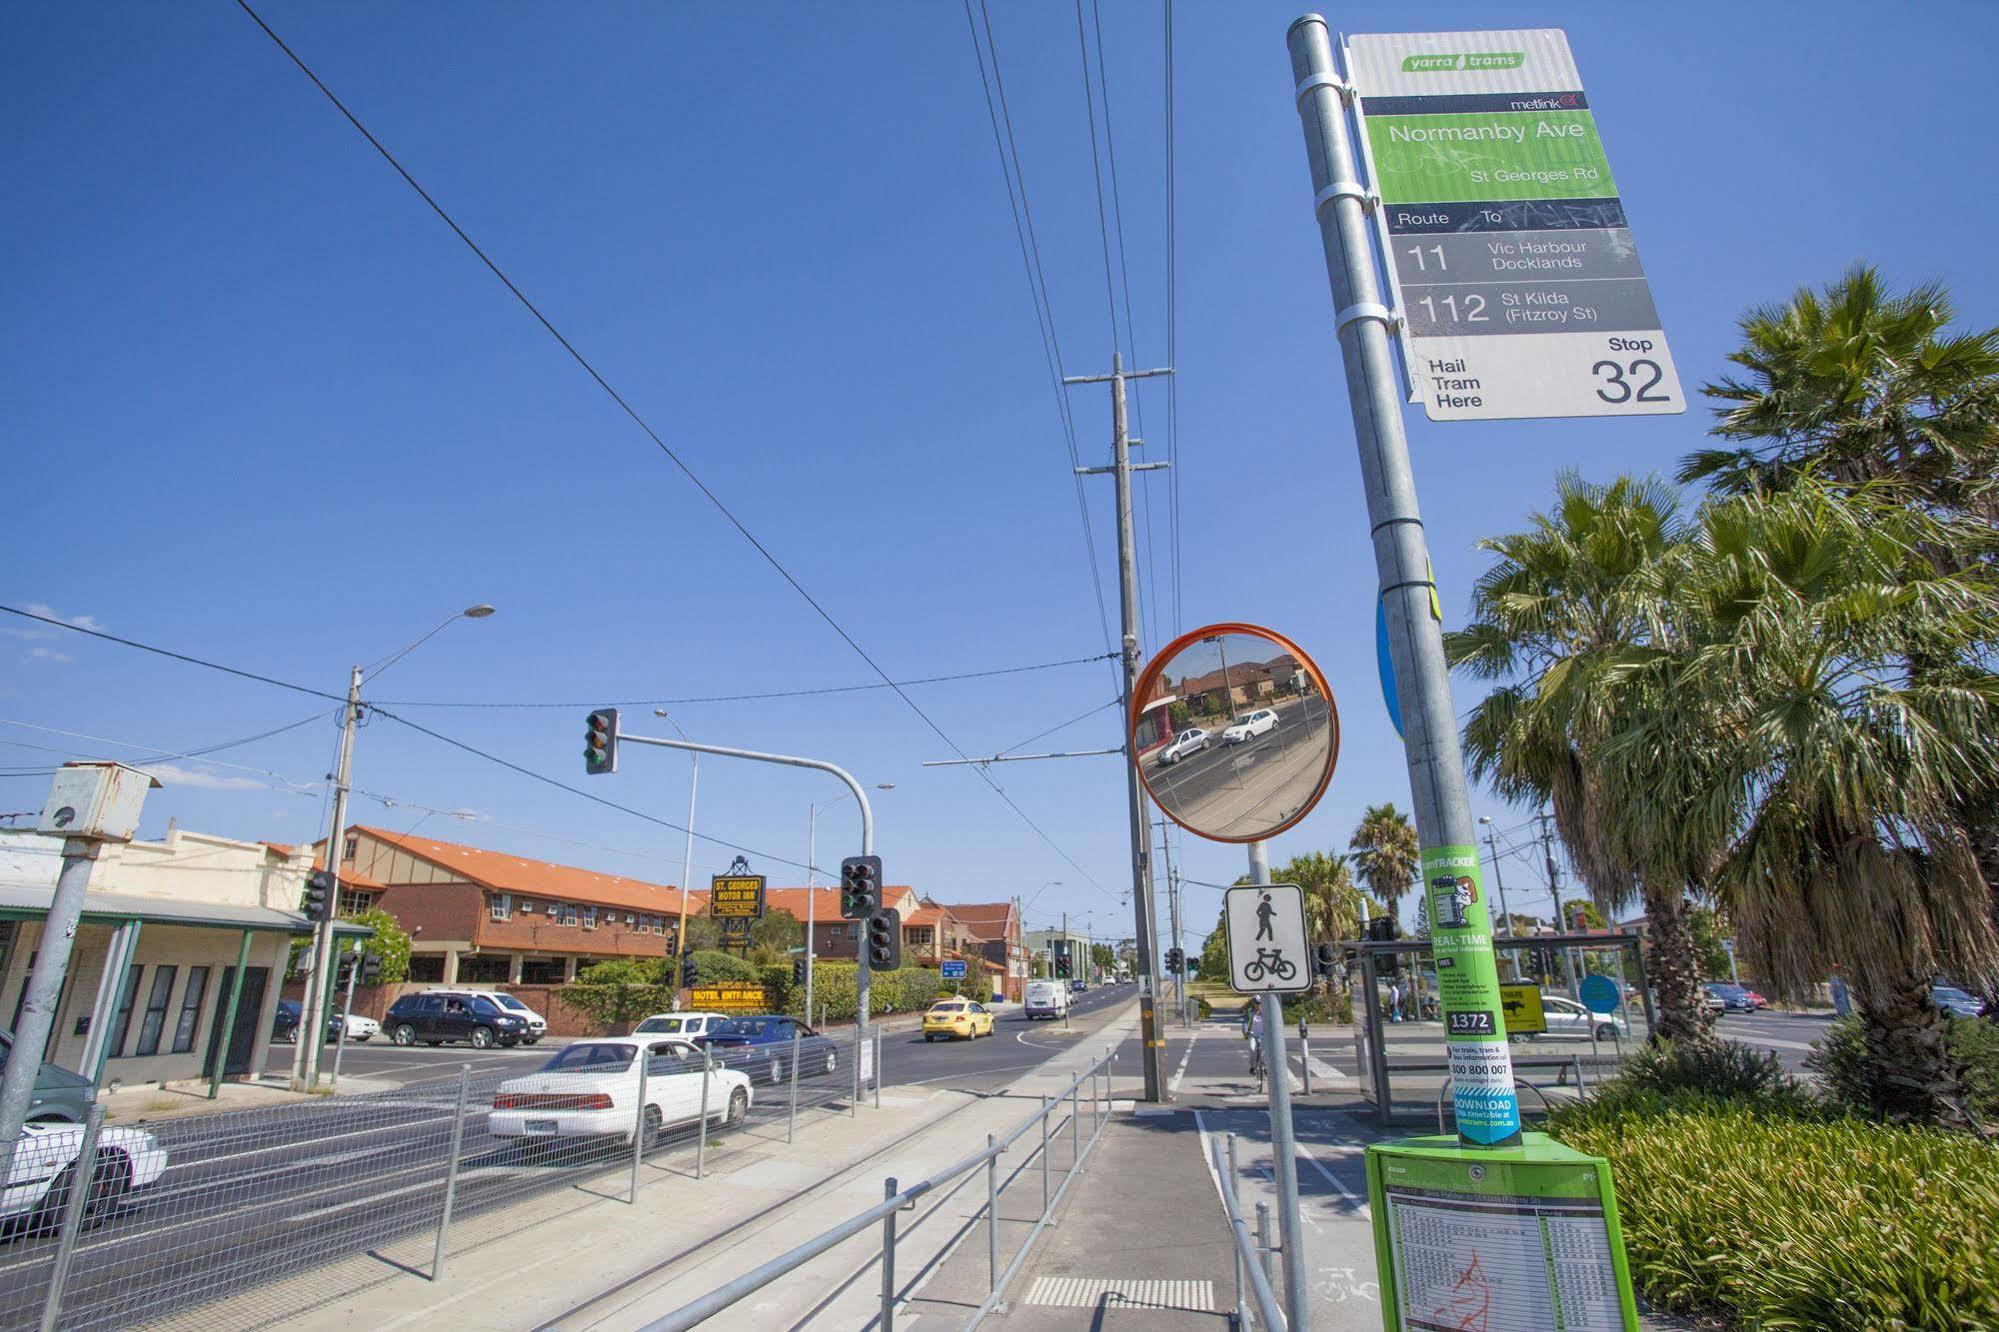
{"points": [[953, 968], [1599, 994]]}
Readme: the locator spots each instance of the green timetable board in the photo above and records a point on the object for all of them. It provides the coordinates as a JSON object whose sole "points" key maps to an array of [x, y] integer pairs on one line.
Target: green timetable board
{"points": [[1512, 261], [1511, 1239]]}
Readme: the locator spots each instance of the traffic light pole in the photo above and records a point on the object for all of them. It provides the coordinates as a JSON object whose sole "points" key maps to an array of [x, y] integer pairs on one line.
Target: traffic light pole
{"points": [[1141, 835], [867, 836], [318, 984]]}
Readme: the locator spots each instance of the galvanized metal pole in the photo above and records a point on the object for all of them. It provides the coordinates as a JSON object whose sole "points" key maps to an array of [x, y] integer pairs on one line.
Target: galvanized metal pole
{"points": [[791, 1117], [1395, 525], [1284, 1151], [878, 1068], [701, 1139], [888, 1259], [1047, 1107], [1141, 835], [82, 1178], [992, 1214], [109, 1001], [38, 1009], [639, 1122], [346, 1009], [680, 949], [854, 1101], [319, 983], [451, 1172], [1263, 1245]]}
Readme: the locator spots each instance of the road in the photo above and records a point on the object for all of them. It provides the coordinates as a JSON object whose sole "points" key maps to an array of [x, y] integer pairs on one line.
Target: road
{"points": [[1254, 784], [252, 1196]]}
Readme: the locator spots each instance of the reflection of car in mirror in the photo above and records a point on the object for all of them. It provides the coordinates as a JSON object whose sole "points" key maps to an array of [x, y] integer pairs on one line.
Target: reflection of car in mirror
{"points": [[1249, 726], [1190, 741]]}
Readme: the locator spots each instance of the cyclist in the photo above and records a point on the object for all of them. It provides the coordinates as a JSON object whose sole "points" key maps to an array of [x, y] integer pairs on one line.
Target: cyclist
{"points": [[1252, 1030]]}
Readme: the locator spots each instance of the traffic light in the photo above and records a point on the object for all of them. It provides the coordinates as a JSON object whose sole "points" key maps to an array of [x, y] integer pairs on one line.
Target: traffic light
{"points": [[343, 971], [687, 974], [371, 969], [1062, 967], [1325, 960], [1385, 929], [318, 895], [600, 742], [861, 888], [1176, 961], [798, 971], [885, 941]]}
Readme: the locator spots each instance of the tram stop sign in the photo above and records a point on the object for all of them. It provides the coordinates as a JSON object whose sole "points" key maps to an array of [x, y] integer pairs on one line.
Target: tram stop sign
{"points": [[1268, 952], [1599, 994]]}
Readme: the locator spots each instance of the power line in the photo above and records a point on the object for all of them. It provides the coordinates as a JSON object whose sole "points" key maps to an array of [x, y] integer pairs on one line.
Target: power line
{"points": [[1037, 287], [1081, 716], [651, 434], [177, 656], [744, 698]]}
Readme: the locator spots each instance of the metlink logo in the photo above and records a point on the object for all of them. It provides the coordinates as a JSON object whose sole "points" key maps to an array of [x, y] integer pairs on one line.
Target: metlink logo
{"points": [[1468, 60]]}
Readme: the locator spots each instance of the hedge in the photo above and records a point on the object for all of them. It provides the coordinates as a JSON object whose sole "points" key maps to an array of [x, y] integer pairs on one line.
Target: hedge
{"points": [[1789, 1218], [1840, 1061], [835, 989]]}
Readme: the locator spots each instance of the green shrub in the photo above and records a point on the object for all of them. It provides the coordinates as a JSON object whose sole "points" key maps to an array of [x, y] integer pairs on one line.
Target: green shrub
{"points": [[712, 966], [979, 991], [1840, 1063], [1721, 1070], [618, 992], [1207, 1010], [1792, 1221], [835, 989]]}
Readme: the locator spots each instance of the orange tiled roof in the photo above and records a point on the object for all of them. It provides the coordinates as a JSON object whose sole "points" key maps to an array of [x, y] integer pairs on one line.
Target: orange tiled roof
{"points": [[826, 906], [506, 872]]}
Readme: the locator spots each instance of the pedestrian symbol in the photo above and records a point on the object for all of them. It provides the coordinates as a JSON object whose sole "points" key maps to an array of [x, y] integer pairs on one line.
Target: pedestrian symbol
{"points": [[1268, 949]]}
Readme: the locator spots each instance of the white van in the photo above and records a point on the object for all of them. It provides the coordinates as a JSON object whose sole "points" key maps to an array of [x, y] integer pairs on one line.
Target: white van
{"points": [[684, 1025], [537, 1024], [1047, 998]]}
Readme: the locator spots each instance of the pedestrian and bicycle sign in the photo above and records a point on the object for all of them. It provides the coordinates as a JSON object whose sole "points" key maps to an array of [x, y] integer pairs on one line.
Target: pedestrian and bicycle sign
{"points": [[1510, 255], [1268, 952]]}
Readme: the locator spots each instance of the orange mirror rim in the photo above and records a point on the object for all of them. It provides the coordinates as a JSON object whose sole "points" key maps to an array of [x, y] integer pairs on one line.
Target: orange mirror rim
{"points": [[1148, 680]]}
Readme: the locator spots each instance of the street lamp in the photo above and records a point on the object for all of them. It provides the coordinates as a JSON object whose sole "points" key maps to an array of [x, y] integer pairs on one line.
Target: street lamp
{"points": [[318, 990], [812, 883], [686, 855]]}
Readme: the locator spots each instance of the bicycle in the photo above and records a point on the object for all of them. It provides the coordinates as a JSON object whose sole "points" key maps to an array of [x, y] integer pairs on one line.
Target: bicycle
{"points": [[1271, 962], [1256, 1062]]}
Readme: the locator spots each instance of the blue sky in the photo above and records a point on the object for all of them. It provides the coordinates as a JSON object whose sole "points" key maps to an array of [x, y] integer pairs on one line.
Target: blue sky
{"points": [[262, 407]]}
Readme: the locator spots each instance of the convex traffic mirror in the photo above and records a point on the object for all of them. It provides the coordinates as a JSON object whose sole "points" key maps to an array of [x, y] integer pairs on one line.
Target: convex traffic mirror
{"points": [[1235, 732]]}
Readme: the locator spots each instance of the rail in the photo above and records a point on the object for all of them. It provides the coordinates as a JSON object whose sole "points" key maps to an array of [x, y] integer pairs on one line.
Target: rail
{"points": [[897, 1199], [1251, 1257]]}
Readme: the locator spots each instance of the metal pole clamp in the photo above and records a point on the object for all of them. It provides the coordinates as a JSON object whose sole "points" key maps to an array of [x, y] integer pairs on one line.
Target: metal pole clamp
{"points": [[1365, 310], [1345, 189], [1323, 79]]}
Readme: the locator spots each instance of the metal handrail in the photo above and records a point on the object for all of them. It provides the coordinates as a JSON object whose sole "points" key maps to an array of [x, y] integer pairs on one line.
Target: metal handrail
{"points": [[707, 1306], [1249, 1257]]}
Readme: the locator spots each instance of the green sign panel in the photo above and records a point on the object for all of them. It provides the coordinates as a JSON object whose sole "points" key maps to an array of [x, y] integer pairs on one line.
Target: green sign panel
{"points": [[1468, 986], [1485, 1240], [1513, 265]]}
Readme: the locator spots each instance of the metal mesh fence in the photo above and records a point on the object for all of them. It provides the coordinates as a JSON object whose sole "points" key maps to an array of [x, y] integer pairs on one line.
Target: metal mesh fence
{"points": [[190, 1222]]}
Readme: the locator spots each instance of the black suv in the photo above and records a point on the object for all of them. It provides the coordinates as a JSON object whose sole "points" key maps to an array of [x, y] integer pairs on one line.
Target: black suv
{"points": [[437, 1018]]}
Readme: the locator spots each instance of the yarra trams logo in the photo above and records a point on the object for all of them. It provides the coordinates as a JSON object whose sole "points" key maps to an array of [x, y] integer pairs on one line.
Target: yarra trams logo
{"points": [[1446, 63]]}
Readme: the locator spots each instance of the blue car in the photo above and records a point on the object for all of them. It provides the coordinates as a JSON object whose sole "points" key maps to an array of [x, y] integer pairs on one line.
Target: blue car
{"points": [[760, 1046], [1955, 1002]]}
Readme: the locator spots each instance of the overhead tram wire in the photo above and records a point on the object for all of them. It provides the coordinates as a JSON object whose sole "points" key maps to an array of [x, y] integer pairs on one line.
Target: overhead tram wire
{"points": [[1008, 150], [177, 656], [638, 420], [1124, 277], [748, 698], [1172, 330]]}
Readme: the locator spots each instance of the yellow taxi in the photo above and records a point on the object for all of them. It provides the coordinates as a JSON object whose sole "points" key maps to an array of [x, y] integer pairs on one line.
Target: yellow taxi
{"points": [[952, 1016]]}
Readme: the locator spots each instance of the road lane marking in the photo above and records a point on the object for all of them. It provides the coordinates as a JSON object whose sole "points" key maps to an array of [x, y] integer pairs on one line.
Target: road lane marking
{"points": [[1174, 1084], [1360, 1204]]}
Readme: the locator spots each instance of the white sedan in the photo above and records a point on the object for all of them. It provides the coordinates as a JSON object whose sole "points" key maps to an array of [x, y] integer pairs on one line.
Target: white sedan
{"points": [[1566, 1017], [590, 1089], [44, 1172], [1249, 726], [359, 1028]]}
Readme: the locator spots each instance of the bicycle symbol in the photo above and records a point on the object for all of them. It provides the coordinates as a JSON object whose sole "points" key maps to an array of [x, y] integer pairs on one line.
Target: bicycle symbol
{"points": [[1269, 961]]}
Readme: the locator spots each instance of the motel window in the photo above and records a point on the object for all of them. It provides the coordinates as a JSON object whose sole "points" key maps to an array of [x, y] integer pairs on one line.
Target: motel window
{"points": [[503, 905], [589, 918], [568, 914]]}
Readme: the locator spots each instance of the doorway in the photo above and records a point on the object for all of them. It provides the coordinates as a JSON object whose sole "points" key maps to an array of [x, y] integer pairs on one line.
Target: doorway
{"points": [[249, 1011]]}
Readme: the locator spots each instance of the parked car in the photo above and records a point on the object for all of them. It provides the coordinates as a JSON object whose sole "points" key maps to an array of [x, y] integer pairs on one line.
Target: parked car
{"points": [[1046, 998], [1758, 1000], [359, 1028], [1190, 741], [1249, 726], [1734, 999], [284, 1024], [1954, 1001], [689, 1025], [1567, 1018], [537, 1025], [951, 1018], [437, 1018], [760, 1045], [59, 1097], [44, 1171], [590, 1089]]}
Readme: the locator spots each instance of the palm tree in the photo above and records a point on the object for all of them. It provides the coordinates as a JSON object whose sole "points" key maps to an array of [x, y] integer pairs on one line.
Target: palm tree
{"points": [[1566, 621], [1332, 901], [1385, 856], [1859, 385], [1829, 767]]}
